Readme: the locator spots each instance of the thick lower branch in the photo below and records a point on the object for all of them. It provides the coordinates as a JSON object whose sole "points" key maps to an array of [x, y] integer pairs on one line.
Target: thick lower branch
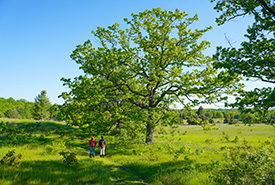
{"points": [[263, 3], [117, 121]]}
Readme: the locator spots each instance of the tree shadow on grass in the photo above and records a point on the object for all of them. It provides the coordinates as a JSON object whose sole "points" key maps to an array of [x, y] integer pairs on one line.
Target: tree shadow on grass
{"points": [[42, 126], [171, 172], [56, 172], [21, 140], [121, 174], [22, 133]]}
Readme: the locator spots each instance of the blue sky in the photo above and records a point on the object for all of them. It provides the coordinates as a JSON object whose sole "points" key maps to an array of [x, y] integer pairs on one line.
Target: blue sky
{"points": [[37, 38]]}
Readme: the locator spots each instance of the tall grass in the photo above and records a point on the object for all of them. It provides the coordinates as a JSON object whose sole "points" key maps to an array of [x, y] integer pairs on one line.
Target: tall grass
{"points": [[181, 155]]}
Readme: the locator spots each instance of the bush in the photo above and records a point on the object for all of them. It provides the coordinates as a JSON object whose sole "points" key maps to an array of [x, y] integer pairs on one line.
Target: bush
{"points": [[10, 159], [211, 120], [253, 168], [69, 158], [236, 139], [11, 133], [60, 131], [194, 120], [231, 121], [271, 120], [3, 126]]}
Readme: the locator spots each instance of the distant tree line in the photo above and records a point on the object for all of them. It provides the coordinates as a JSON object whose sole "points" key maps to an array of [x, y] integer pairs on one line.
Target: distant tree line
{"points": [[40, 109], [230, 116], [20, 109]]}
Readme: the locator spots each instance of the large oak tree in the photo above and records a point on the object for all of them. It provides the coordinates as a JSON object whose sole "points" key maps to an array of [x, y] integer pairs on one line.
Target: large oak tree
{"points": [[255, 58], [135, 74]]}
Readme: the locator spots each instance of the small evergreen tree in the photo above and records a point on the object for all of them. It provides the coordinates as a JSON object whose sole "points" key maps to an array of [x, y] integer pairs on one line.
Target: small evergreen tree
{"points": [[41, 106], [200, 111]]}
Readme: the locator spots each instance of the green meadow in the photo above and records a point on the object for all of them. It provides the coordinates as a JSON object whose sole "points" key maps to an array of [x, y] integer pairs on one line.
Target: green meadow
{"points": [[180, 155]]}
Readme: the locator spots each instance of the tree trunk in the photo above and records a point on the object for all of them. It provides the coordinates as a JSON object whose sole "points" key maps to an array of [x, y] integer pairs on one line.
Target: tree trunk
{"points": [[149, 133]]}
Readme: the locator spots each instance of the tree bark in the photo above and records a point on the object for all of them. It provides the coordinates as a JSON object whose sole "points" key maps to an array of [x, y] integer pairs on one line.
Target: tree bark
{"points": [[149, 133]]}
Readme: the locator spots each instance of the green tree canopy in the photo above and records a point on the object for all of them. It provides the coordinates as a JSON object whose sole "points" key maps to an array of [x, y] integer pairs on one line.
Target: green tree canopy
{"points": [[41, 106], [218, 114], [255, 59], [9, 113], [138, 72], [22, 107]]}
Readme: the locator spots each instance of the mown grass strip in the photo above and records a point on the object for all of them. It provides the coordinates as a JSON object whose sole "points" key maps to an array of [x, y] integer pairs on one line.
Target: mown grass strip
{"points": [[120, 174]]}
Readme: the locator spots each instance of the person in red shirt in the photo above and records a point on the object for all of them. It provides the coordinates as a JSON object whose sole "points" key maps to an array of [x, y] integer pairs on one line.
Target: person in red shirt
{"points": [[92, 144]]}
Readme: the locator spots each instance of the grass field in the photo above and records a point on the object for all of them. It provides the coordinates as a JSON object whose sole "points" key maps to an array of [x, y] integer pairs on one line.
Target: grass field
{"points": [[181, 155]]}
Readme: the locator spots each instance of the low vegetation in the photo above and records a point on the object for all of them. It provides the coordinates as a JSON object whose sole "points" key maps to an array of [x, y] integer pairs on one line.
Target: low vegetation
{"points": [[54, 153]]}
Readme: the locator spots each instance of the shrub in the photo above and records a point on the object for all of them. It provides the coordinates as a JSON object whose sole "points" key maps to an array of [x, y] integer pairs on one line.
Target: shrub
{"points": [[202, 121], [42, 138], [10, 159], [69, 158], [270, 120], [231, 121], [60, 131], [55, 147], [189, 164], [253, 168], [194, 120], [3, 126], [209, 140], [11, 133], [225, 138], [211, 120], [236, 139]]}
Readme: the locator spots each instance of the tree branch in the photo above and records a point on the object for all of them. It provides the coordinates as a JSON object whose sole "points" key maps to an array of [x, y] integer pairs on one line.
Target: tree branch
{"points": [[168, 91], [263, 3], [137, 103], [117, 121], [228, 40], [270, 81]]}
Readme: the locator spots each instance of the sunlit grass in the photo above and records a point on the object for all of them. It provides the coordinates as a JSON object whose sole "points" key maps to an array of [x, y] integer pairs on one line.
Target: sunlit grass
{"points": [[182, 155], [40, 166]]}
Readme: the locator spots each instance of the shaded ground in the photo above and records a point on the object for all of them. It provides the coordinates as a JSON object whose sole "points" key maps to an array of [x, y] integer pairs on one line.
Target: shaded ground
{"points": [[120, 174]]}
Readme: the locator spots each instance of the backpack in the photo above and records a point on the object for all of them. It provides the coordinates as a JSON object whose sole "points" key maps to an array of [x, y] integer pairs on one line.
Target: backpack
{"points": [[93, 143], [102, 144]]}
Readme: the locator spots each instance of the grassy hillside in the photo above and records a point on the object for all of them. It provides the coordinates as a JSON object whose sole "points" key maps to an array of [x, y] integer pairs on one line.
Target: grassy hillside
{"points": [[182, 155]]}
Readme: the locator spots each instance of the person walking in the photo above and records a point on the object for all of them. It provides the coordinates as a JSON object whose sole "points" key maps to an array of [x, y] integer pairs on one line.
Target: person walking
{"points": [[92, 144], [101, 145]]}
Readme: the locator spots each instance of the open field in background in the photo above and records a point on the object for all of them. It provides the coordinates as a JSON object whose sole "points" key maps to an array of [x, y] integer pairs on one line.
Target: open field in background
{"points": [[181, 155]]}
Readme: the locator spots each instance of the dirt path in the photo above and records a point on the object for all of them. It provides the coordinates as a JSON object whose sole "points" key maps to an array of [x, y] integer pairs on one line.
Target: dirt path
{"points": [[120, 174]]}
